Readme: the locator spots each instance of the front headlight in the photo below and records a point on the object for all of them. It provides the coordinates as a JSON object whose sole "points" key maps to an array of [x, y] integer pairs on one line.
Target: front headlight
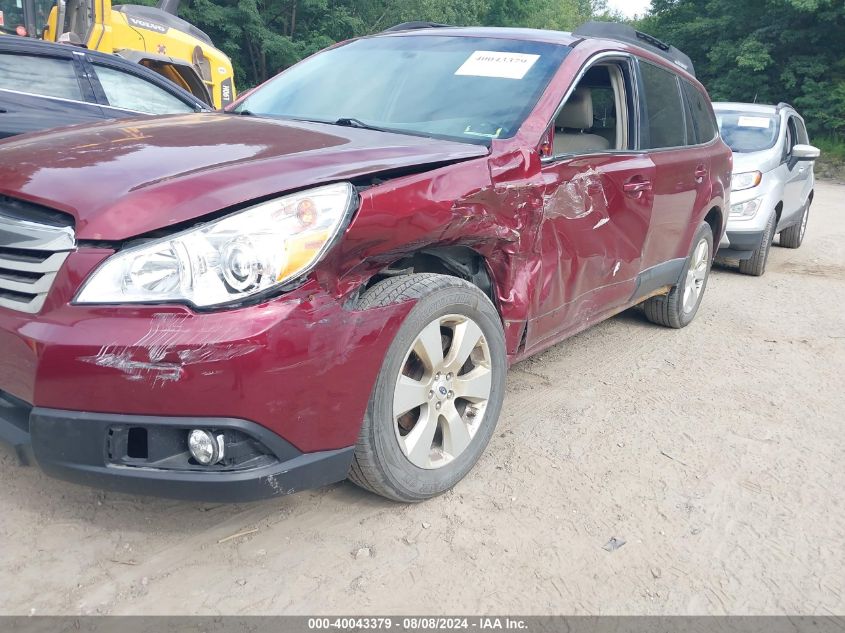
{"points": [[745, 180], [745, 210], [229, 259]]}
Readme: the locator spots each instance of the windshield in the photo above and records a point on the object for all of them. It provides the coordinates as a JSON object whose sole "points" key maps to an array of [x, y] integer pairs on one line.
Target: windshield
{"points": [[472, 89], [748, 132]]}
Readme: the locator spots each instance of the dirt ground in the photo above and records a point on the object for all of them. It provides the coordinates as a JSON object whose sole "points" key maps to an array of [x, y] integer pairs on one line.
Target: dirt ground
{"points": [[715, 452]]}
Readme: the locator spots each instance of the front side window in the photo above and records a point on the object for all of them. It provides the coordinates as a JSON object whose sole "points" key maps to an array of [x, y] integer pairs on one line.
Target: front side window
{"points": [[748, 131], [466, 88], [129, 92], [664, 108], [801, 131], [47, 76], [595, 116]]}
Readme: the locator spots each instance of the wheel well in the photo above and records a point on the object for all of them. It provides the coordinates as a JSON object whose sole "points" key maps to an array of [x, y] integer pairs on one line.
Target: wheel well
{"points": [[455, 261], [714, 219], [778, 211]]}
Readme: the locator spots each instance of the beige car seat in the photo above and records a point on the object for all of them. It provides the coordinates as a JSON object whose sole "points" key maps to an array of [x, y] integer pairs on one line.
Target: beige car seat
{"points": [[575, 117]]}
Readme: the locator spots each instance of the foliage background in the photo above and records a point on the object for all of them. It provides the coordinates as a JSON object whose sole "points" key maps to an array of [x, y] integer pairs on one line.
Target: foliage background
{"points": [[755, 50]]}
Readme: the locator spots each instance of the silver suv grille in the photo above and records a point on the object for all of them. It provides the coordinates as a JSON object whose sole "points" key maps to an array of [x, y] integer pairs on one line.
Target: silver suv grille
{"points": [[34, 243]]}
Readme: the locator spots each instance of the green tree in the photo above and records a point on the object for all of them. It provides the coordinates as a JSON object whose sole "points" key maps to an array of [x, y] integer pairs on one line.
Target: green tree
{"points": [[765, 51], [265, 36]]}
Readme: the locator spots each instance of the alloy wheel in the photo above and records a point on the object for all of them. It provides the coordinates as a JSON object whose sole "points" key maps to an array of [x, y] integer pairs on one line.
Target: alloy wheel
{"points": [[696, 276], [804, 222], [442, 391]]}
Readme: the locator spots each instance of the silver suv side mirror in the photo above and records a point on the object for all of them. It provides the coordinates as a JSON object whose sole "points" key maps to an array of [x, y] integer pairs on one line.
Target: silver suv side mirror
{"points": [[805, 152]]}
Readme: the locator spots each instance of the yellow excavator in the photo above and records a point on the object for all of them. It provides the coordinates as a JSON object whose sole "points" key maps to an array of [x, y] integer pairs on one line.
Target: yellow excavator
{"points": [[152, 36]]}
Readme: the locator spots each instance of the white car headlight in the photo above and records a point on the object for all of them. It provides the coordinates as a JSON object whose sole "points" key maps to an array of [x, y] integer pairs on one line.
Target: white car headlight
{"points": [[745, 210], [745, 180], [229, 259]]}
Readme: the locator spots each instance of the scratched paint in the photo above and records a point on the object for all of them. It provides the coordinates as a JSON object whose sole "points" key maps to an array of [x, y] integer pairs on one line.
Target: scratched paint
{"points": [[167, 349]]}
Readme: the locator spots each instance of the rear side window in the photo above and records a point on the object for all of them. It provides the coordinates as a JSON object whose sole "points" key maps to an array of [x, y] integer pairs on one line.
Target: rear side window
{"points": [[47, 76], [702, 115], [133, 93], [664, 108]]}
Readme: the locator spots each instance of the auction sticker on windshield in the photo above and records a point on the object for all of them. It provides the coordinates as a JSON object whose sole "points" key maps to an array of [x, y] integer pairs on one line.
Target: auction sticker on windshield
{"points": [[754, 121], [499, 65]]}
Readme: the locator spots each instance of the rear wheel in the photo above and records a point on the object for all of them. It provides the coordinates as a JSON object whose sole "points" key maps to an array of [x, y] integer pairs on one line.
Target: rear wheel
{"points": [[439, 393], [678, 308], [756, 264], [793, 237]]}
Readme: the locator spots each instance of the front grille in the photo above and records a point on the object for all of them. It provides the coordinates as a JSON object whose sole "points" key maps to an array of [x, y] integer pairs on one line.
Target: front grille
{"points": [[34, 243]]}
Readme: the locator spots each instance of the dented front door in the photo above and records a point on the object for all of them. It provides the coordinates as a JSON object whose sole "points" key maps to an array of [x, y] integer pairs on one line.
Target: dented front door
{"points": [[596, 216]]}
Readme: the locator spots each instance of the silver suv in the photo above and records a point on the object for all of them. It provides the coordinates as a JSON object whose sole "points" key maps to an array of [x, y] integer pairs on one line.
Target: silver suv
{"points": [[772, 184]]}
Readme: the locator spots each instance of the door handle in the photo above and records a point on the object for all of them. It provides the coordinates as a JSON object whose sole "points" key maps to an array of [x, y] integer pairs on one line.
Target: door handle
{"points": [[636, 186], [700, 174]]}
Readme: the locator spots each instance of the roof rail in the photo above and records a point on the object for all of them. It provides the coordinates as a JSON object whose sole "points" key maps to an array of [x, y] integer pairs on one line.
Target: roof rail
{"points": [[629, 35], [784, 104], [413, 26]]}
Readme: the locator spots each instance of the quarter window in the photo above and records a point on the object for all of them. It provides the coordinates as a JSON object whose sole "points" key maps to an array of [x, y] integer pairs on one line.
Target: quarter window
{"points": [[702, 115], [133, 93], [664, 108], [47, 76]]}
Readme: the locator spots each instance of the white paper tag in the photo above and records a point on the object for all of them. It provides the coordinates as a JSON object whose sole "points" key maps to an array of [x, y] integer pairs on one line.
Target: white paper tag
{"points": [[754, 121], [500, 65]]}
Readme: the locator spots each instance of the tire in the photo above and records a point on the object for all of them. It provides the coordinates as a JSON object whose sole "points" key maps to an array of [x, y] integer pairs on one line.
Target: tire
{"points": [[390, 458], [793, 236], [756, 264], [669, 310]]}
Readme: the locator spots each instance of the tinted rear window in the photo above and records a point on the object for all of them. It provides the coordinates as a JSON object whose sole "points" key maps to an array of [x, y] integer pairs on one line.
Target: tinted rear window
{"points": [[664, 108], [702, 115]]}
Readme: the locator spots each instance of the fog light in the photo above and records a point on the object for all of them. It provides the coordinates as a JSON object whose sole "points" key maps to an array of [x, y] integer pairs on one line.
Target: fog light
{"points": [[205, 447]]}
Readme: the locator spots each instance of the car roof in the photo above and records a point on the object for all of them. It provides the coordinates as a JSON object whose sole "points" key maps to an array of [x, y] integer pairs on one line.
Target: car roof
{"points": [[563, 38], [532, 35], [16, 44]]}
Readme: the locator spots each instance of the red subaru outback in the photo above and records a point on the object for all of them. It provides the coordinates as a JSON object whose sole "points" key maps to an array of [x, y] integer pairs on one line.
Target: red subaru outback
{"points": [[331, 279]]}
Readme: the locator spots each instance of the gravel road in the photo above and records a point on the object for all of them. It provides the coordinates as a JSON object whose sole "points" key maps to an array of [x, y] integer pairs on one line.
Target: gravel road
{"points": [[714, 452]]}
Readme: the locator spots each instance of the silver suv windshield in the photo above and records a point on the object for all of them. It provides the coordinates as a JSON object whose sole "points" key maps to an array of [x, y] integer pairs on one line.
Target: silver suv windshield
{"points": [[748, 131], [467, 88]]}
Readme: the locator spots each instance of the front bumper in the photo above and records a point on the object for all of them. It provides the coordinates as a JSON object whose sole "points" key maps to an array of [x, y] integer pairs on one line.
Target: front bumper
{"points": [[740, 244], [85, 448], [300, 368]]}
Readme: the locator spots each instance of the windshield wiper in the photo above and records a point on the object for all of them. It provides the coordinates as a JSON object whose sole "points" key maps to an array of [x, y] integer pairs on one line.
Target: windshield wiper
{"points": [[353, 122]]}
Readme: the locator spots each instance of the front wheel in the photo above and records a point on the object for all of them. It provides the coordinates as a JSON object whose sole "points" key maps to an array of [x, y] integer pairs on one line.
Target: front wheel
{"points": [[439, 393], [793, 237], [678, 308], [756, 264]]}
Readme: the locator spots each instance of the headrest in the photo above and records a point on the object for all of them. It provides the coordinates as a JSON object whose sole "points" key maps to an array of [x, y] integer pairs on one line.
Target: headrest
{"points": [[577, 113]]}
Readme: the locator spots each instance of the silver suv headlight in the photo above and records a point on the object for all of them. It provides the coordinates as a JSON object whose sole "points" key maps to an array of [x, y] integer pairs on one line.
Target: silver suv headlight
{"points": [[746, 180], [226, 260]]}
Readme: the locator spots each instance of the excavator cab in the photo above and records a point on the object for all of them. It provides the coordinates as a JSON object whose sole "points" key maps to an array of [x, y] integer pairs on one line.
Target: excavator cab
{"points": [[154, 37], [24, 17]]}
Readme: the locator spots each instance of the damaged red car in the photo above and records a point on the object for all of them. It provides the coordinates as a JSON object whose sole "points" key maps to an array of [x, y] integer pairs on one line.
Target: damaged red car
{"points": [[331, 279]]}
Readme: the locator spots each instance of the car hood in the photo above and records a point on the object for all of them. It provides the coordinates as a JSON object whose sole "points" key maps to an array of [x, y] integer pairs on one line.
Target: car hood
{"points": [[127, 178], [756, 161]]}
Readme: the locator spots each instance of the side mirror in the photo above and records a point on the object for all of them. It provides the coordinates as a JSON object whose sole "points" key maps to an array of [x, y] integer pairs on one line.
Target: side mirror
{"points": [[805, 152]]}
